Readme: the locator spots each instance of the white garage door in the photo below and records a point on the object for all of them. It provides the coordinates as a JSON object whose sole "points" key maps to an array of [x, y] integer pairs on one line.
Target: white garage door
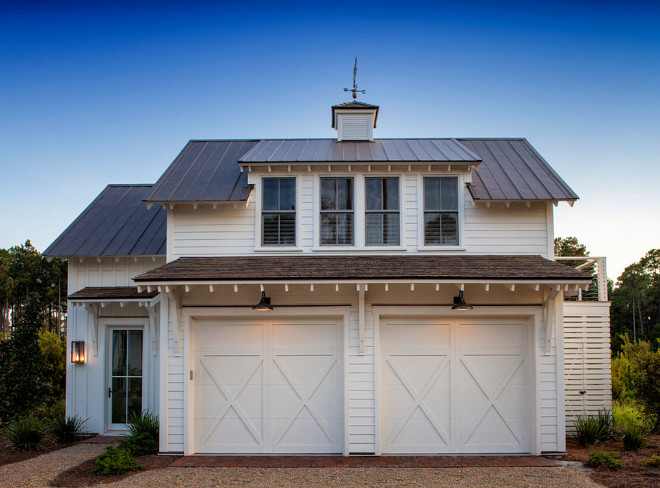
{"points": [[450, 387], [268, 386]]}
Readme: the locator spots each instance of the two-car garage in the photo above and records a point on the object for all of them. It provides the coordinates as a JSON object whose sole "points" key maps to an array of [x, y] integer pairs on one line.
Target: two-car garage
{"points": [[446, 385]]}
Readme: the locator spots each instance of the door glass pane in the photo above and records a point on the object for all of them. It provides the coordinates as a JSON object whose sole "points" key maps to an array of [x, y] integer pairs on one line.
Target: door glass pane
{"points": [[118, 400], [134, 396], [118, 352], [135, 353]]}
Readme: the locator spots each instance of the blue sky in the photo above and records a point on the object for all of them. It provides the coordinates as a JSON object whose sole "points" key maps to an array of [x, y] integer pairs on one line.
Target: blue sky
{"points": [[101, 93]]}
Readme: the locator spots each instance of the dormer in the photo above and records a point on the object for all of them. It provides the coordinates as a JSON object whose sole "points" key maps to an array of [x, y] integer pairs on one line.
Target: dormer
{"points": [[354, 121]]}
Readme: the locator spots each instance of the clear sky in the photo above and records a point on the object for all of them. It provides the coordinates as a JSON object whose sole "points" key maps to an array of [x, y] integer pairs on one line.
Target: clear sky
{"points": [[96, 93]]}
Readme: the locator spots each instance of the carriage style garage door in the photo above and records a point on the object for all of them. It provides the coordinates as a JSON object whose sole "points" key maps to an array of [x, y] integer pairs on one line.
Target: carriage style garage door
{"points": [[268, 386], [454, 386]]}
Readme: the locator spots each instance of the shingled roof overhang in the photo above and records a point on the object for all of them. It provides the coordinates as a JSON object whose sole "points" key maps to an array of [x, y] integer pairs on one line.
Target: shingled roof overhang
{"points": [[361, 269], [106, 294]]}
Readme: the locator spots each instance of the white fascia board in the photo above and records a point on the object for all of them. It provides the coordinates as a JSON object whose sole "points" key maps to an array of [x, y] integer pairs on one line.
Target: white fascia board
{"points": [[289, 281]]}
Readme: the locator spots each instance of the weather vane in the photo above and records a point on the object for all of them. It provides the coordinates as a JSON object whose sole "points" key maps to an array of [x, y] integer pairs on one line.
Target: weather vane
{"points": [[355, 90]]}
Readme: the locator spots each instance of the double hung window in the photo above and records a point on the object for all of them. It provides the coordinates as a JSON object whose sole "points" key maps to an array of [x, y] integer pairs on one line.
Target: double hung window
{"points": [[278, 213], [441, 211], [382, 211], [337, 211]]}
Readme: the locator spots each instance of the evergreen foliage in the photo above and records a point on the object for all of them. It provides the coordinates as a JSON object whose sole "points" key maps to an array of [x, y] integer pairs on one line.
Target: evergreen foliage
{"points": [[23, 386], [24, 434]]}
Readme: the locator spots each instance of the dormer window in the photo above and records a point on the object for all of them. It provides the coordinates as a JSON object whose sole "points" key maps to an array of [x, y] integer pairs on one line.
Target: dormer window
{"points": [[441, 211], [278, 213]]}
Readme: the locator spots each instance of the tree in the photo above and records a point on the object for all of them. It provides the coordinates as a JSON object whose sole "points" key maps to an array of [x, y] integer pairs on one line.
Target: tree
{"points": [[635, 301], [22, 383], [570, 246], [25, 272]]}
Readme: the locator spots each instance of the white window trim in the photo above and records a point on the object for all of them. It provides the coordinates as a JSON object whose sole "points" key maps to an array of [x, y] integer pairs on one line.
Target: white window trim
{"points": [[258, 190], [421, 245], [399, 177], [358, 214]]}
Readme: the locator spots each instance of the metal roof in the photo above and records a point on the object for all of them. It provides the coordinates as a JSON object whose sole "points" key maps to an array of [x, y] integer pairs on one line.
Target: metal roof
{"points": [[379, 150], [382, 267], [511, 169], [111, 292], [116, 223], [205, 171]]}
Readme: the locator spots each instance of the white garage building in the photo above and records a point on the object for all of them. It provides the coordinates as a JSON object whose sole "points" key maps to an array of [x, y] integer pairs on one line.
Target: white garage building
{"points": [[338, 296]]}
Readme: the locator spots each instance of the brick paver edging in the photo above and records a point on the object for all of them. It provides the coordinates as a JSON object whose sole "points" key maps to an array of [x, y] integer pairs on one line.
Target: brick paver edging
{"points": [[362, 461]]}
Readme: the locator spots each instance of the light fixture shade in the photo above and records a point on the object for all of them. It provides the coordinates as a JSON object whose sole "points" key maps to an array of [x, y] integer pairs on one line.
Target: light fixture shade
{"points": [[460, 303], [264, 304], [78, 352]]}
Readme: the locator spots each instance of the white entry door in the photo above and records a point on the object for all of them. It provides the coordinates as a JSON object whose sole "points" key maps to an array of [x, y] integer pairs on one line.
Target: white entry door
{"points": [[454, 387], [268, 386]]}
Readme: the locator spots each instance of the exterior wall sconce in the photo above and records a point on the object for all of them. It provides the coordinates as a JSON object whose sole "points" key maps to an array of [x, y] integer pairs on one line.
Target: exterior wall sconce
{"points": [[78, 352], [264, 304], [460, 303]]}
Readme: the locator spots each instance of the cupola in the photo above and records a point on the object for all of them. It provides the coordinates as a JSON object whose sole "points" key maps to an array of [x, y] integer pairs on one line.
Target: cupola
{"points": [[354, 121]]}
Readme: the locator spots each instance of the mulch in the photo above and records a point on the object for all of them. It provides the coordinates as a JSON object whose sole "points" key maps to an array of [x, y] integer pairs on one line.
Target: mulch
{"points": [[82, 475], [632, 475], [49, 444]]}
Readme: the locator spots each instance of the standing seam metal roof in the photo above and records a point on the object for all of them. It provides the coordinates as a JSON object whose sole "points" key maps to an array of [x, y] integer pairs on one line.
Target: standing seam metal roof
{"points": [[379, 150], [512, 169], [205, 171], [116, 223]]}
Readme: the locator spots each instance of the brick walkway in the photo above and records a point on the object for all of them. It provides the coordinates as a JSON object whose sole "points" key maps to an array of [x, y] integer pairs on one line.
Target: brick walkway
{"points": [[362, 461]]}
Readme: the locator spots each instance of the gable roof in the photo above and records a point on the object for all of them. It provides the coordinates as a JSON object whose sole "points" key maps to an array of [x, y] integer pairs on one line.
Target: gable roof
{"points": [[116, 223], [512, 169], [205, 171], [379, 150], [508, 169]]}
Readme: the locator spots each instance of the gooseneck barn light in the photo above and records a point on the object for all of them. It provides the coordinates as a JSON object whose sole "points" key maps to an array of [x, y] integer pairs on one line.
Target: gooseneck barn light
{"points": [[264, 304], [460, 303]]}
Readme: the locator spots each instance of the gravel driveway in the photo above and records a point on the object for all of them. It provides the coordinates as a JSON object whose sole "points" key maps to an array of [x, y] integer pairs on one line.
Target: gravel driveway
{"points": [[37, 471]]}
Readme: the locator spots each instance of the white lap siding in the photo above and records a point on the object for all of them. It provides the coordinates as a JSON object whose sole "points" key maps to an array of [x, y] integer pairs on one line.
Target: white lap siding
{"points": [[235, 230]]}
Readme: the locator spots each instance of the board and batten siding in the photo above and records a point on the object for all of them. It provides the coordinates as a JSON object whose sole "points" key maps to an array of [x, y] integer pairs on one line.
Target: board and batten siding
{"points": [[587, 368], [234, 229], [86, 395]]}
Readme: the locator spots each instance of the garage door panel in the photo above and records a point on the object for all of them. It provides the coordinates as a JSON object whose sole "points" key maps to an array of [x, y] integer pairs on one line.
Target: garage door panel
{"points": [[416, 408], [229, 402], [258, 398], [483, 407]]}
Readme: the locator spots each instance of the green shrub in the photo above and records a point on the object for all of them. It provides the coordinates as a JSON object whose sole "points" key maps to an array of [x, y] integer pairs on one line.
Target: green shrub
{"points": [[68, 429], [143, 434], [636, 376], [627, 413], [609, 459], [50, 411], [634, 436], [115, 461], [53, 350], [652, 462], [589, 429], [24, 434]]}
